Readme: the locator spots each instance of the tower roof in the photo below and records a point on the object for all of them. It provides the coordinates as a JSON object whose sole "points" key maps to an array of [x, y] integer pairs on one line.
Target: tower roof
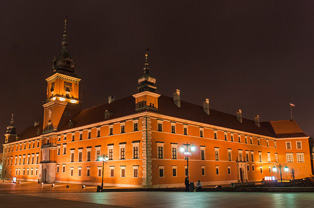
{"points": [[11, 128], [146, 82], [63, 62]]}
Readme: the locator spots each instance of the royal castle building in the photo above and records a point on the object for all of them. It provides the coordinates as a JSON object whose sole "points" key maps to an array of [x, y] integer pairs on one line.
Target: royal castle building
{"points": [[142, 134]]}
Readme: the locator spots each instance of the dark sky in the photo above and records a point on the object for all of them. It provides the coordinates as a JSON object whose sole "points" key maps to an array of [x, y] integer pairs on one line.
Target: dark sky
{"points": [[253, 55]]}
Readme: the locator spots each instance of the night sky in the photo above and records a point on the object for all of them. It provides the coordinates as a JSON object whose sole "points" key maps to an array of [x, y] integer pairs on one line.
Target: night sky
{"points": [[253, 55]]}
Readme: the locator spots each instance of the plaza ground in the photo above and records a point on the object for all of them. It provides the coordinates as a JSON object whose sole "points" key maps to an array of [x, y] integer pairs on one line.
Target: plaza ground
{"points": [[30, 194]]}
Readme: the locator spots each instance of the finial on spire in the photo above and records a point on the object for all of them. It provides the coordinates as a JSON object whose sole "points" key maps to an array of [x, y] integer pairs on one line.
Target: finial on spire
{"points": [[12, 120], [146, 66], [65, 36]]}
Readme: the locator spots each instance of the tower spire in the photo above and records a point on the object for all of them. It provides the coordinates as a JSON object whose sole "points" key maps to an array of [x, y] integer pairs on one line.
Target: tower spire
{"points": [[146, 65], [65, 35], [12, 120]]}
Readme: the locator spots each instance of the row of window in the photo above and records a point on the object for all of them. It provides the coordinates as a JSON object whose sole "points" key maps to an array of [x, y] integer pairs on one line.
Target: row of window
{"points": [[21, 159], [135, 152], [28, 171], [99, 171], [89, 135], [21, 146], [298, 145], [226, 134]]}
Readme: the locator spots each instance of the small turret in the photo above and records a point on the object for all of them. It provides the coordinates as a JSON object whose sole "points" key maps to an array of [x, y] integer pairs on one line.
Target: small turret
{"points": [[10, 133]]}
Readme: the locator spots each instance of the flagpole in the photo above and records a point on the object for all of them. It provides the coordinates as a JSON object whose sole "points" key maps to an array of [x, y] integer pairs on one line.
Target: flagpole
{"points": [[291, 112]]}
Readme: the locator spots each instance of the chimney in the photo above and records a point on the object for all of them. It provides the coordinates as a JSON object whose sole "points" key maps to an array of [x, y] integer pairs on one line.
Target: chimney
{"points": [[257, 122], [239, 115], [111, 99], [206, 106], [176, 98]]}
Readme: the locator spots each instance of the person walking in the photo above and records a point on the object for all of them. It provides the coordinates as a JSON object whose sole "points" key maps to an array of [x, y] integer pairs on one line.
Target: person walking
{"points": [[187, 184]]}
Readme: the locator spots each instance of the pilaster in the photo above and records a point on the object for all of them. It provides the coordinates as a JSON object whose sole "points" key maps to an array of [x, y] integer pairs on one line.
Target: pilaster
{"points": [[147, 151]]}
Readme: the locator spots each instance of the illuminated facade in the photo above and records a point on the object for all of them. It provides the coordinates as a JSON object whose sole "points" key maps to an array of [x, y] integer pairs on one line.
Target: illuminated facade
{"points": [[141, 135]]}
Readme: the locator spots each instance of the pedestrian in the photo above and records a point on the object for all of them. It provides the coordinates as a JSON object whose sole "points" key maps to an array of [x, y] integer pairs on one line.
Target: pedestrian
{"points": [[187, 184], [198, 186]]}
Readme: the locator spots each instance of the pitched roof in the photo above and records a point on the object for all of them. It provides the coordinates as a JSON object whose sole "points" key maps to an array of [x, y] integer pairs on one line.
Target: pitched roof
{"points": [[30, 132], [126, 106]]}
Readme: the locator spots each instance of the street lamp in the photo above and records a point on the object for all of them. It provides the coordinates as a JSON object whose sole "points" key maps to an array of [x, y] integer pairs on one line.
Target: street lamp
{"points": [[187, 150], [286, 169], [104, 159]]}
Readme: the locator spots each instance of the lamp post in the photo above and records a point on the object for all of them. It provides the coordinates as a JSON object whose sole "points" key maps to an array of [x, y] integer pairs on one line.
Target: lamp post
{"points": [[187, 150], [104, 159], [286, 169]]}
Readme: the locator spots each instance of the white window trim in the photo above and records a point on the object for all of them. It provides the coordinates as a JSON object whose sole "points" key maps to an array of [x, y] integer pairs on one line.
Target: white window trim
{"points": [[217, 149], [96, 149], [160, 144], [175, 129], [172, 168], [163, 168], [296, 144], [291, 154], [120, 147], [135, 167], [176, 147], [287, 146], [217, 167], [297, 157], [203, 167], [122, 168], [99, 168], [229, 167], [111, 168]]}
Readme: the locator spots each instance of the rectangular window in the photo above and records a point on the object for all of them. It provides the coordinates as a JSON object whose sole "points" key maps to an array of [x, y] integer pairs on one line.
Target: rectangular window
{"points": [[72, 156], [174, 171], [288, 145], [245, 139], [240, 155], [275, 143], [64, 137], [87, 171], [79, 171], [173, 128], [159, 126], [247, 156], [252, 156], [99, 171], [122, 152], [71, 171], [276, 157], [64, 149], [122, 129], [229, 170], [215, 134], [27, 171], [231, 137], [111, 171], [161, 171], [300, 157], [185, 130], [203, 170], [89, 134], [201, 132], [251, 140], [135, 126], [32, 171], [261, 169], [58, 168], [63, 169], [73, 137], [226, 139], [239, 138], [217, 170], [135, 171], [267, 143], [98, 132], [58, 150], [202, 153], [160, 150], [260, 156], [122, 171], [97, 153], [268, 157], [258, 141], [289, 157], [216, 154], [110, 152], [37, 158], [248, 168], [135, 152], [299, 145], [253, 167], [81, 136], [173, 152], [80, 155], [110, 130], [229, 154], [88, 155]]}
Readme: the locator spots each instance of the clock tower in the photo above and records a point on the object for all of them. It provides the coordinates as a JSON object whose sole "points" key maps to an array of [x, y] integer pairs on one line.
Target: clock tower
{"points": [[62, 101]]}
